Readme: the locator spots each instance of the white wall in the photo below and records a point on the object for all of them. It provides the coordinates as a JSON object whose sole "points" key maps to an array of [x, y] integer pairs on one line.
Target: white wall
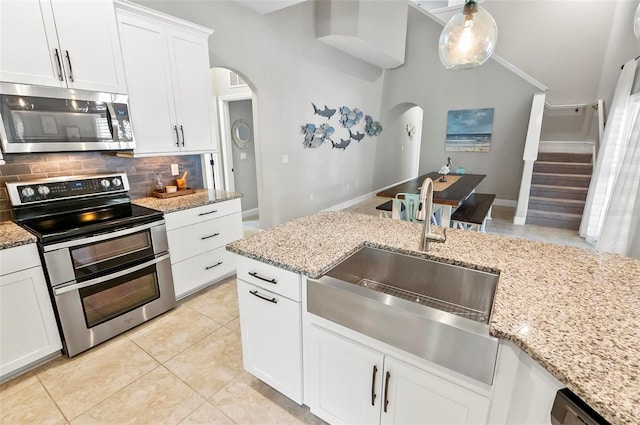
{"points": [[402, 158], [423, 81], [288, 69]]}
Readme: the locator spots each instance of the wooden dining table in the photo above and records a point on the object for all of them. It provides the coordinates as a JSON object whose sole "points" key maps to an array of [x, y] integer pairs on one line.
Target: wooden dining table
{"points": [[449, 198]]}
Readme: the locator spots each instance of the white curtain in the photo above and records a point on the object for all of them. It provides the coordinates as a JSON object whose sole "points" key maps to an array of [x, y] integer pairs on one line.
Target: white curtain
{"points": [[615, 168]]}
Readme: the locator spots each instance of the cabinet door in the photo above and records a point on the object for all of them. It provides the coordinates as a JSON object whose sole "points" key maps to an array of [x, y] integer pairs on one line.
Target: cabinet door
{"points": [[418, 397], [27, 42], [192, 90], [149, 81], [88, 36], [271, 339], [346, 379], [28, 330]]}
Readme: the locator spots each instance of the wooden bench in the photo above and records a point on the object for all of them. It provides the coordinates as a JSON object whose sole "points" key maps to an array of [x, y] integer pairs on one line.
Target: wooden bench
{"points": [[386, 208], [474, 212]]}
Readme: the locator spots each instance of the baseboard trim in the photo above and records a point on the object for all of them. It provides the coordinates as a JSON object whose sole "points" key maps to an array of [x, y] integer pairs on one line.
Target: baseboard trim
{"points": [[505, 203], [249, 213]]}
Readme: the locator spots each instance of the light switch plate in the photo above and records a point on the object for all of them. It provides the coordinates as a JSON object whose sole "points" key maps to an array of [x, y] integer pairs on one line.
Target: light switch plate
{"points": [[243, 155], [174, 170], [285, 159]]}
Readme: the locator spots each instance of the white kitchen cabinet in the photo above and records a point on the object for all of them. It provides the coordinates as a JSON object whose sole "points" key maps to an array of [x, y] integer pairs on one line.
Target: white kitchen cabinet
{"points": [[271, 326], [197, 239], [351, 383], [346, 379], [61, 43], [168, 76], [28, 330]]}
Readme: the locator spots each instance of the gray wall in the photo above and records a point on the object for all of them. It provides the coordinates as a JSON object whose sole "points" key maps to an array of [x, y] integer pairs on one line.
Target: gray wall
{"points": [[280, 58], [244, 170], [423, 81]]}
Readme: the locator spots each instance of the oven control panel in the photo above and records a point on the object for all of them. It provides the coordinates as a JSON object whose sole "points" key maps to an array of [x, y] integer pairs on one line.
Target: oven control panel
{"points": [[43, 190]]}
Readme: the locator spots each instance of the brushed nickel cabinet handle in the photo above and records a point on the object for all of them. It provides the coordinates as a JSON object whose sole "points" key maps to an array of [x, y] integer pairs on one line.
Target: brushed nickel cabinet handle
{"points": [[58, 64], [215, 265], [210, 236], [266, 279], [175, 128], [271, 300], [373, 385], [386, 391], [70, 68], [182, 131], [208, 212]]}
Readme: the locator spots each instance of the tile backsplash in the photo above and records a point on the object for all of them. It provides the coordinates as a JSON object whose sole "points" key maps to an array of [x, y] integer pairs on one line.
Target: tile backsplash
{"points": [[140, 171]]}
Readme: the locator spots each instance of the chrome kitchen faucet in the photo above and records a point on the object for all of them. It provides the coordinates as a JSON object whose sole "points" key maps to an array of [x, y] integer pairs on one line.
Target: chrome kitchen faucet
{"points": [[424, 214]]}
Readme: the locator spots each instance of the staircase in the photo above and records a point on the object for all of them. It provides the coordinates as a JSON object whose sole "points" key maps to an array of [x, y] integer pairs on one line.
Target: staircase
{"points": [[559, 189]]}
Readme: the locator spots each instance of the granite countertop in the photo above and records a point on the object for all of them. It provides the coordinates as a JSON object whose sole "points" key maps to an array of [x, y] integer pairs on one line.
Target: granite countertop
{"points": [[178, 203], [13, 235], [573, 311]]}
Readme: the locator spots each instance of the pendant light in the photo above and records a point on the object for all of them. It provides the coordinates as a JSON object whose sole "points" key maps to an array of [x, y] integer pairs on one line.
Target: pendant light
{"points": [[469, 38]]}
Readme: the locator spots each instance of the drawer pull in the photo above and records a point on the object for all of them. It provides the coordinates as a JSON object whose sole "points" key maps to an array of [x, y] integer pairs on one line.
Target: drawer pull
{"points": [[266, 279], [215, 265], [210, 236], [208, 212], [271, 300]]}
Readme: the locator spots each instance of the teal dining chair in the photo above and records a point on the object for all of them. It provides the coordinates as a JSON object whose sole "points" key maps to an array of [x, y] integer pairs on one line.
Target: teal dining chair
{"points": [[410, 202]]}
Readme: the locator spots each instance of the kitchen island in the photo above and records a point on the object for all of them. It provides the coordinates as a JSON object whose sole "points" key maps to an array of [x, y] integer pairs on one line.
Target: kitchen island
{"points": [[572, 311]]}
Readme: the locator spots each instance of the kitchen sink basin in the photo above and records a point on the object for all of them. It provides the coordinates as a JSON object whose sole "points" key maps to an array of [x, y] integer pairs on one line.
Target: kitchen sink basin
{"points": [[437, 311], [457, 290]]}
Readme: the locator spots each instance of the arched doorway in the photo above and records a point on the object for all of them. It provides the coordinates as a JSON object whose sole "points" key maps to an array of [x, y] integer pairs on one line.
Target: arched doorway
{"points": [[238, 157]]}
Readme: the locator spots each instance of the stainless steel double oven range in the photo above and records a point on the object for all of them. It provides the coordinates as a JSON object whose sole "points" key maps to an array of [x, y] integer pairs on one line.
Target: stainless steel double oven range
{"points": [[106, 260]]}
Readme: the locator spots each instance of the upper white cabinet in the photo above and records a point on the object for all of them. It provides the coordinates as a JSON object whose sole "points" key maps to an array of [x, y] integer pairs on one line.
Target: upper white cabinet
{"points": [[61, 43], [168, 76]]}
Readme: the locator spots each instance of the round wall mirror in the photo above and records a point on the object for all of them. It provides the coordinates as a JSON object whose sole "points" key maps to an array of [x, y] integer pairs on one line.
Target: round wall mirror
{"points": [[241, 134]]}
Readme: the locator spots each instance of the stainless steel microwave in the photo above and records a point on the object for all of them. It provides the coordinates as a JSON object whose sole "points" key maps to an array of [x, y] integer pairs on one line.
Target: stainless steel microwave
{"points": [[49, 119]]}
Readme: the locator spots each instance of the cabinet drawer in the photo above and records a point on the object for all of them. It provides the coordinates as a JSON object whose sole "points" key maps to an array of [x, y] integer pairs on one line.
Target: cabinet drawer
{"points": [[194, 273], [272, 278], [19, 258], [199, 238], [271, 339], [208, 212]]}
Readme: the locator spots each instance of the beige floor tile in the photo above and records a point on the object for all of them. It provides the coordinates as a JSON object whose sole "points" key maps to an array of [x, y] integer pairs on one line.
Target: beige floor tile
{"points": [[234, 325], [29, 404], [175, 332], [16, 384], [80, 383], [211, 363], [159, 397], [247, 400], [206, 414], [219, 302]]}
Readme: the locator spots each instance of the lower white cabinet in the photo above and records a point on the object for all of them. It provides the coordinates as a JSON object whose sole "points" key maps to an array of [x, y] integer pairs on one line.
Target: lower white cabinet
{"points": [[197, 239], [351, 383], [271, 326], [28, 329]]}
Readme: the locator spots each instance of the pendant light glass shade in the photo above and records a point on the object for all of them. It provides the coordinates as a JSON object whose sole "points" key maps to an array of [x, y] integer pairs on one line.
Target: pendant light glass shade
{"points": [[468, 39]]}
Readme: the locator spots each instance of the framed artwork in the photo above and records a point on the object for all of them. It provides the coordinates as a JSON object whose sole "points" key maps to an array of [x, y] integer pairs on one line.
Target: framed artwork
{"points": [[469, 130]]}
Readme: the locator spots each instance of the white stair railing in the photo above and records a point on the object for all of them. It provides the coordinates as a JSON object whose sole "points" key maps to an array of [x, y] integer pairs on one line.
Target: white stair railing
{"points": [[529, 156]]}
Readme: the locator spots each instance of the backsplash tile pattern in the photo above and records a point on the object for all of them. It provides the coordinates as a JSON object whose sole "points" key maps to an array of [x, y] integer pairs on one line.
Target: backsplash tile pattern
{"points": [[140, 171]]}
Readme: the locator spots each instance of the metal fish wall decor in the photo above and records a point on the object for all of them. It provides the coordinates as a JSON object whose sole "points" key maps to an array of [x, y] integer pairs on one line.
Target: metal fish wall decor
{"points": [[316, 135]]}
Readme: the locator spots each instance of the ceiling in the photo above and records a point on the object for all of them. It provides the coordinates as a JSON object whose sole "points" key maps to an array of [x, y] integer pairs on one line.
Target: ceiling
{"points": [[562, 44]]}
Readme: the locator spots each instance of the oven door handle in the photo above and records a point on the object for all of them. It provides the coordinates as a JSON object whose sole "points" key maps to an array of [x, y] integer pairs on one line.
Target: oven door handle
{"points": [[75, 286], [99, 238]]}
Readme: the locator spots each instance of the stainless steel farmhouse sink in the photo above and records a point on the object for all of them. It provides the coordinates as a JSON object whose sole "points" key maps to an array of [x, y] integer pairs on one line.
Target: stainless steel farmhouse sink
{"points": [[437, 311]]}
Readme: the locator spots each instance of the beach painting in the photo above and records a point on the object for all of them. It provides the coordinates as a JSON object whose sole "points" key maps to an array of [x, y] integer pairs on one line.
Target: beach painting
{"points": [[469, 130]]}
